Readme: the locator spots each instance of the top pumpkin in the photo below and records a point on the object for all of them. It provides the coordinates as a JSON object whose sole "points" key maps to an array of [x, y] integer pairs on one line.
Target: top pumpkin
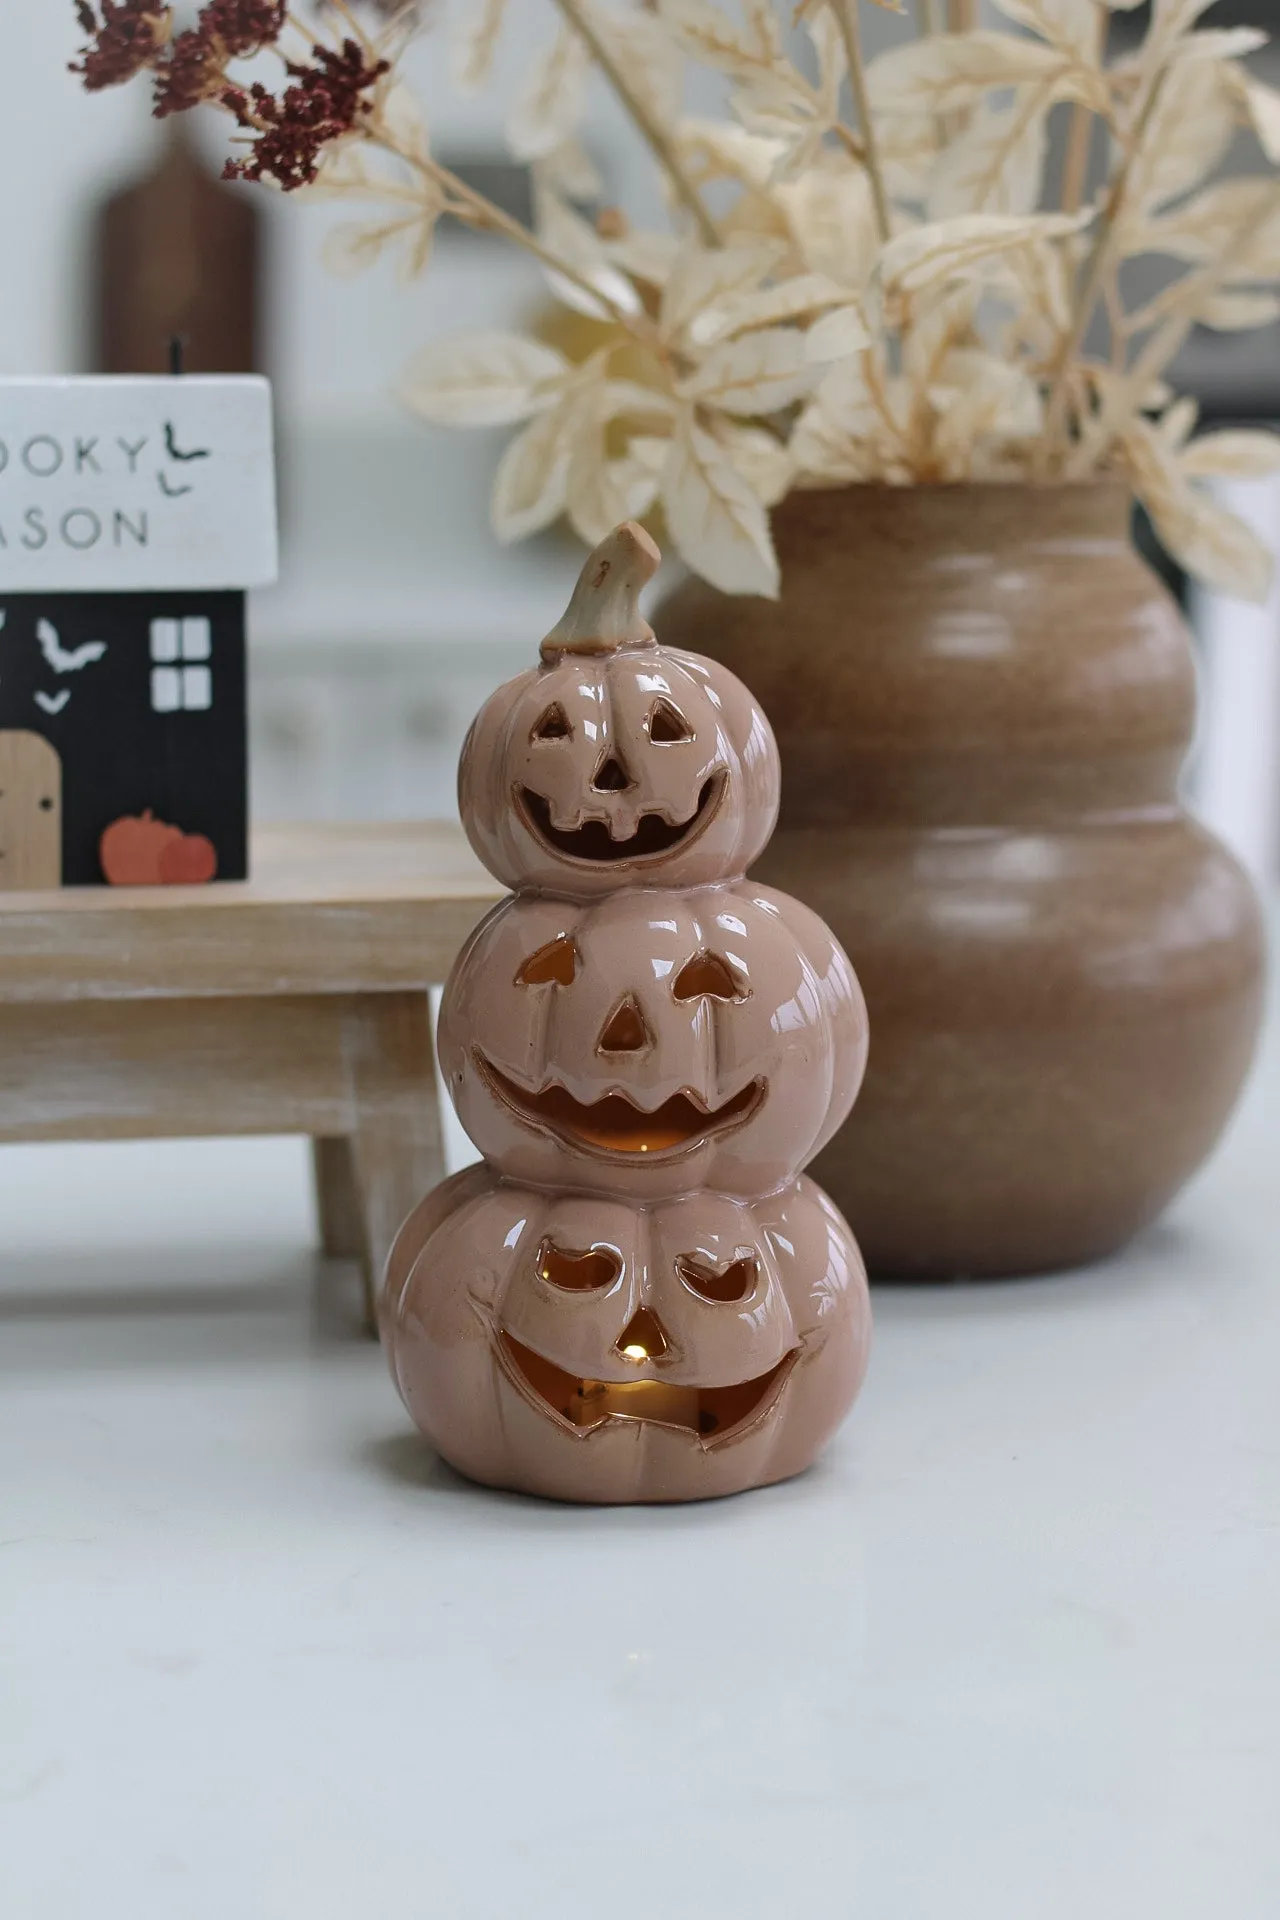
{"points": [[616, 762]]}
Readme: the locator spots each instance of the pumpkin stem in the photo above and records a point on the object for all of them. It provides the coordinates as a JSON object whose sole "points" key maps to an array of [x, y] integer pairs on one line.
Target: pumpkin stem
{"points": [[604, 613]]}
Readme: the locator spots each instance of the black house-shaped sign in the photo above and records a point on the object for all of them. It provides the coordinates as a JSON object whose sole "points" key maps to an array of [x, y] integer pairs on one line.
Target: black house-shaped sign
{"points": [[134, 513]]}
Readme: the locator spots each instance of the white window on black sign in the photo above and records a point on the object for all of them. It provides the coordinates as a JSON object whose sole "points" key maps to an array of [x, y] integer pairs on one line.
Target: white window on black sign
{"points": [[181, 680]]}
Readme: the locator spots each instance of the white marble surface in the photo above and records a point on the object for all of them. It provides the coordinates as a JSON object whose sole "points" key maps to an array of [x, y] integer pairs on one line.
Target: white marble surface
{"points": [[1012, 1652]]}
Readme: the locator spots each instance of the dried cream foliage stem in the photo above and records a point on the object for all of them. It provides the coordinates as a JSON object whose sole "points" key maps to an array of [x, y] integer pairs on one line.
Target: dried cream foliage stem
{"points": [[476, 211], [1075, 165], [649, 125], [1092, 281], [1126, 397], [846, 13]]}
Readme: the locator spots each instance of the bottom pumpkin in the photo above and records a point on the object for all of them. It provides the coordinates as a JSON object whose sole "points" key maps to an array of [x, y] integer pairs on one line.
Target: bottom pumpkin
{"points": [[594, 1349]]}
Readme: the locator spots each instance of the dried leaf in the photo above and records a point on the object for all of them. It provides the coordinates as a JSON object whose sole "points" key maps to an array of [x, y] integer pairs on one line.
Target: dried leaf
{"points": [[718, 150], [909, 147], [948, 72], [476, 43], [842, 436], [531, 485], [1221, 43], [356, 245], [648, 55], [1178, 422], [483, 379], [551, 103], [832, 214], [702, 275], [601, 492], [644, 256], [716, 523], [824, 455], [1190, 128], [755, 373], [1065, 24], [1230, 312], [1234, 453], [996, 164], [947, 249], [707, 34], [574, 240], [1210, 224], [1208, 540], [977, 398], [569, 170], [1262, 104], [405, 121], [800, 297], [760, 457], [636, 401], [836, 334]]}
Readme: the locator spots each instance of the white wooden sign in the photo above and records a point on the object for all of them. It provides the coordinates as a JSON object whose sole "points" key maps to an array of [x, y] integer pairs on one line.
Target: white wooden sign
{"points": [[136, 484]]}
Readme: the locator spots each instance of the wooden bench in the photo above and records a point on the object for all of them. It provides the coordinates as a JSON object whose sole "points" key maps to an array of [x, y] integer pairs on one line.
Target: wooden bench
{"points": [[293, 1002]]}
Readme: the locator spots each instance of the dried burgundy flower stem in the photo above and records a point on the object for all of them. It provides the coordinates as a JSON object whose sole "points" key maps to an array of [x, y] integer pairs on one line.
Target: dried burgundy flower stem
{"points": [[327, 98], [130, 36], [326, 101]]}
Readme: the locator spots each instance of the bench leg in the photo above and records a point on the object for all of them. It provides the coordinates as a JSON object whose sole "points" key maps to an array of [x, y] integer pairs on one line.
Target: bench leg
{"points": [[338, 1199], [397, 1148]]}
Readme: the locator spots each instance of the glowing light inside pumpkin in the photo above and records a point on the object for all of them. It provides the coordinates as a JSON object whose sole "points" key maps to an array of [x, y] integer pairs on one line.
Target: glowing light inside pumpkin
{"points": [[636, 1352]]}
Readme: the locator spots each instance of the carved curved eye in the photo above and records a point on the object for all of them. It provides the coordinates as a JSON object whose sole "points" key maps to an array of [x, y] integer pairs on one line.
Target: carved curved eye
{"points": [[579, 1271], [710, 1282], [552, 965], [708, 973], [553, 725], [667, 724]]}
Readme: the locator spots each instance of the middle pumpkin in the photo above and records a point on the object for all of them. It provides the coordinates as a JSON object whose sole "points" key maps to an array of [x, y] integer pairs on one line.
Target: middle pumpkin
{"points": [[715, 1039]]}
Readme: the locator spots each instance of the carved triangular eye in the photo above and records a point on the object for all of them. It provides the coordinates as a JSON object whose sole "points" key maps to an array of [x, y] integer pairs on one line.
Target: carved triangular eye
{"points": [[554, 724], [733, 1282], [552, 965], [708, 974], [579, 1271], [667, 723]]}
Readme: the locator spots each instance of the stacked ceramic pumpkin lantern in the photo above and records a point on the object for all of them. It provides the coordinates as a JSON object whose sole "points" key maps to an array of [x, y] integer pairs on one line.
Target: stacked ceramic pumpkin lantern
{"points": [[636, 1295]]}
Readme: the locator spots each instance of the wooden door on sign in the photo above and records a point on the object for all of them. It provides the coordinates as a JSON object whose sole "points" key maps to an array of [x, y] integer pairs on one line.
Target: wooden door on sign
{"points": [[30, 811]]}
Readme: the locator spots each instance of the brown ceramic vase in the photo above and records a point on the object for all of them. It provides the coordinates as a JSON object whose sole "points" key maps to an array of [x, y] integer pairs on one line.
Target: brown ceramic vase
{"points": [[983, 699]]}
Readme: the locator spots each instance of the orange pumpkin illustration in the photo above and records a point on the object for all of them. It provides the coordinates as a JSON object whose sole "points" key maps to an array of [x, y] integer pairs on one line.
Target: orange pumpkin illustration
{"points": [[188, 861], [141, 851]]}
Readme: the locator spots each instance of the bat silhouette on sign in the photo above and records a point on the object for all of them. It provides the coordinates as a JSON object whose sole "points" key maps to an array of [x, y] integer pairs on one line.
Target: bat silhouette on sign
{"points": [[59, 657], [52, 702], [175, 452]]}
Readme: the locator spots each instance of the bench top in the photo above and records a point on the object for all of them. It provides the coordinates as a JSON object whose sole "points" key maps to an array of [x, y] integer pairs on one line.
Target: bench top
{"points": [[328, 909]]}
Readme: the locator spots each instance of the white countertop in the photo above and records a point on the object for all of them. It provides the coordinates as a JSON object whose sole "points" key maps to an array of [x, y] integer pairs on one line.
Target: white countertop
{"points": [[1012, 1652]]}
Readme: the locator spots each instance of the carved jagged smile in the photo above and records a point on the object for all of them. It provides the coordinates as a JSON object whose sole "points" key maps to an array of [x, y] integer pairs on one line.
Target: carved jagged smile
{"points": [[614, 1124], [595, 841], [712, 1413]]}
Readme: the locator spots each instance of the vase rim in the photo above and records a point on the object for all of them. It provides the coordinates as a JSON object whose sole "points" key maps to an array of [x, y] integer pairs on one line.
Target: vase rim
{"points": [[1007, 510]]}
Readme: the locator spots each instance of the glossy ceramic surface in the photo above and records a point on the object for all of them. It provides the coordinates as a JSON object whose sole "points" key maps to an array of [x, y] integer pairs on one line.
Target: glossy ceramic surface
{"points": [[592, 1349], [625, 769], [651, 1042], [634, 1298], [983, 700]]}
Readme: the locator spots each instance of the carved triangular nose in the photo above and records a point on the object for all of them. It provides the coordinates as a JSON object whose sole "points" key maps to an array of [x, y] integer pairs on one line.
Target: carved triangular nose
{"points": [[610, 777], [624, 1031], [643, 1337]]}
